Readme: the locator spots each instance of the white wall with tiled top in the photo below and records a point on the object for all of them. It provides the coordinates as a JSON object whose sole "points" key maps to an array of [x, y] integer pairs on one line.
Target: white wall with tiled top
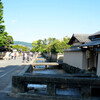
{"points": [[73, 58], [98, 66]]}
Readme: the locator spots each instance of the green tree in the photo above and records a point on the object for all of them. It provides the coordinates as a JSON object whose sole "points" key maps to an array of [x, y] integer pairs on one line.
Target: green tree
{"points": [[2, 27], [58, 46], [5, 39], [50, 40], [34, 43], [45, 41], [18, 47], [50, 45], [8, 41]]}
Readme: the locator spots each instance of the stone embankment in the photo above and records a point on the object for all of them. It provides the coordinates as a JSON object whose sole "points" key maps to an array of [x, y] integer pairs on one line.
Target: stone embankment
{"points": [[83, 82], [54, 57]]}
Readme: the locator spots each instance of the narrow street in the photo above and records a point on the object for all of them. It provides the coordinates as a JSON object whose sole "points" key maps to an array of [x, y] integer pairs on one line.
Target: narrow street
{"points": [[8, 68]]}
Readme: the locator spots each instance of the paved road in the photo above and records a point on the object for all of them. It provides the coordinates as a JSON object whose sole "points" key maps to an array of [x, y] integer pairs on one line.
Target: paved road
{"points": [[8, 68]]}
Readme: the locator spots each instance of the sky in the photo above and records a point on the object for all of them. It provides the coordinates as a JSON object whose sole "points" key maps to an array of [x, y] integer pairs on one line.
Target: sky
{"points": [[30, 20]]}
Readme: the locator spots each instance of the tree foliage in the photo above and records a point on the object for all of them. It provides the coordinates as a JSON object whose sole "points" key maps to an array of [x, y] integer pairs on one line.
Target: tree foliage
{"points": [[2, 27], [19, 47], [50, 45], [5, 39]]}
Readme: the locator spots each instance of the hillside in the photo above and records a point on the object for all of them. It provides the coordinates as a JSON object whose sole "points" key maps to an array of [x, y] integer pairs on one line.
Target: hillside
{"points": [[23, 43]]}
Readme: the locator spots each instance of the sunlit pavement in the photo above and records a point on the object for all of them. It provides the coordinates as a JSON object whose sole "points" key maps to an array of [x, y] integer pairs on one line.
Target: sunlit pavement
{"points": [[8, 68]]}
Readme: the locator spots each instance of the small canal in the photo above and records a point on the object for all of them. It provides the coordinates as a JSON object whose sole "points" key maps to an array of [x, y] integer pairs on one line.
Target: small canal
{"points": [[41, 89]]}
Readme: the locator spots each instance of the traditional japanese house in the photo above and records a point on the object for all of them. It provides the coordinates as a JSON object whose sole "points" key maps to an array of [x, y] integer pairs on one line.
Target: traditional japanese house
{"points": [[93, 52], [76, 56]]}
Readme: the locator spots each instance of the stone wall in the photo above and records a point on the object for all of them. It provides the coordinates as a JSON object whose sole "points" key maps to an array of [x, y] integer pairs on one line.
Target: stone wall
{"points": [[60, 57], [71, 69], [54, 57], [2, 54], [84, 83]]}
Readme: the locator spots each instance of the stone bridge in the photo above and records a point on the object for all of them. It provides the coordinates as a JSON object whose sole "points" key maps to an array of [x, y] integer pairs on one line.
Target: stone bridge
{"points": [[46, 64], [43, 59]]}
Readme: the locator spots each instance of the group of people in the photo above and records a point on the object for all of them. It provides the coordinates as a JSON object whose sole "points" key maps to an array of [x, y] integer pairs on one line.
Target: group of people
{"points": [[12, 55], [27, 56]]}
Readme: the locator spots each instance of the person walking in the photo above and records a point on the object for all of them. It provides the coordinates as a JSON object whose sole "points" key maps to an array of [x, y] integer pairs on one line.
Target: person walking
{"points": [[23, 57], [27, 57], [14, 56], [10, 55]]}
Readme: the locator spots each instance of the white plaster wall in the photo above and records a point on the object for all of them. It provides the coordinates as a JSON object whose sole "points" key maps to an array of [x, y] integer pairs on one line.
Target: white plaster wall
{"points": [[98, 66], [60, 57], [73, 58], [57, 57]]}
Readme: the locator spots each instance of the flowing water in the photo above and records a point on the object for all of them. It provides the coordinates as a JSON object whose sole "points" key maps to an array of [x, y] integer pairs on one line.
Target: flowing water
{"points": [[34, 88]]}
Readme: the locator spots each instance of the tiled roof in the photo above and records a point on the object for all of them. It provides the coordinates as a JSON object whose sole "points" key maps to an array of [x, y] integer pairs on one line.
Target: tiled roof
{"points": [[97, 33], [71, 50], [95, 36], [92, 43], [82, 38]]}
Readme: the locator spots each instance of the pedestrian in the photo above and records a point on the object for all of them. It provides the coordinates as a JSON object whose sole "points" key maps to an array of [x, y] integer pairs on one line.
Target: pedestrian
{"points": [[10, 55], [23, 57], [27, 57], [14, 56]]}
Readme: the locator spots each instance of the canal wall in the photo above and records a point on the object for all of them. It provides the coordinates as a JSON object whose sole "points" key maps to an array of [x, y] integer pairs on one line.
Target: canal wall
{"points": [[71, 69], [86, 84], [60, 58], [83, 82], [54, 57]]}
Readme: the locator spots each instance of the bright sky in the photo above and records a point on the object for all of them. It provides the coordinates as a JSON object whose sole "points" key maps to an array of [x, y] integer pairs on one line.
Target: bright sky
{"points": [[29, 20]]}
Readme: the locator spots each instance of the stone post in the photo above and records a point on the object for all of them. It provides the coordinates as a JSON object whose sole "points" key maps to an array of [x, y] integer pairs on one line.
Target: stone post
{"points": [[51, 89], [18, 86]]}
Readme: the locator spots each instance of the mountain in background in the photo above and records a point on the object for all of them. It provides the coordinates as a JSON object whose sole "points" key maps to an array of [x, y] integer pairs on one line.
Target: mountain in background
{"points": [[23, 43]]}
